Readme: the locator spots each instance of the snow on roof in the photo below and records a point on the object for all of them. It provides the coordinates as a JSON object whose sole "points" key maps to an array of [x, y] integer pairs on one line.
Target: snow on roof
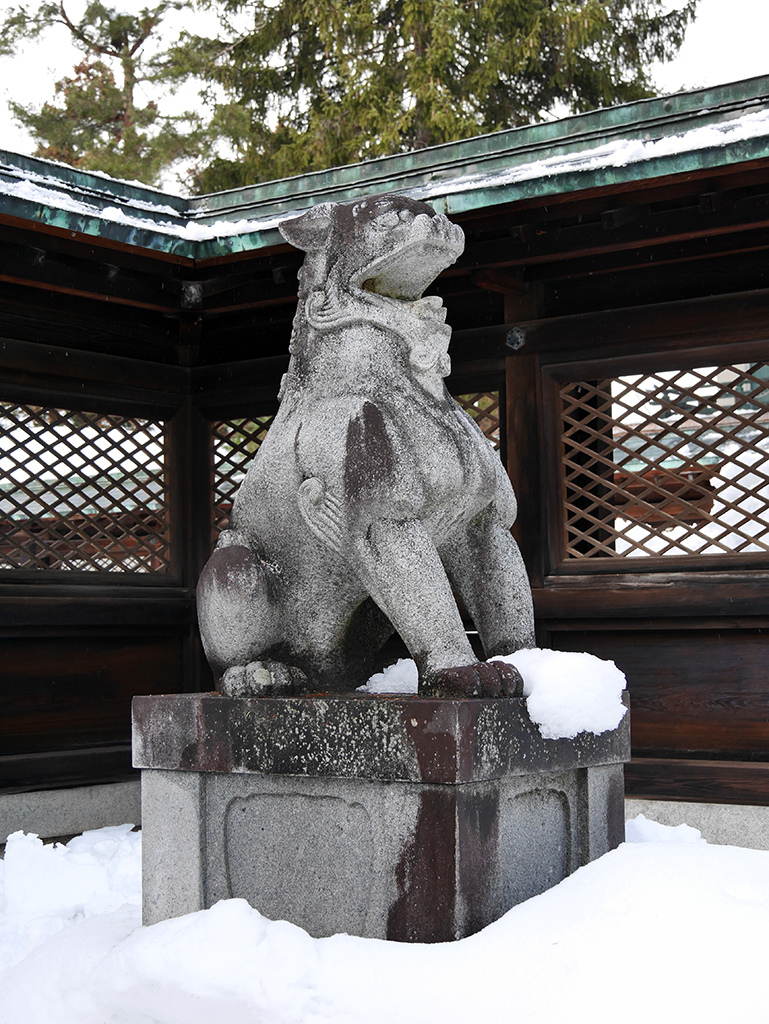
{"points": [[619, 153], [637, 141], [133, 213]]}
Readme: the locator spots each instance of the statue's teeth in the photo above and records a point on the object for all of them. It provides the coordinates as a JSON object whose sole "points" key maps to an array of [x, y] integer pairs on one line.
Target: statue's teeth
{"points": [[430, 307]]}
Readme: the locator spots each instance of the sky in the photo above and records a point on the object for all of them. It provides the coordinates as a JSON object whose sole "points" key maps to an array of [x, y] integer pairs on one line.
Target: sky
{"points": [[29, 78], [727, 42]]}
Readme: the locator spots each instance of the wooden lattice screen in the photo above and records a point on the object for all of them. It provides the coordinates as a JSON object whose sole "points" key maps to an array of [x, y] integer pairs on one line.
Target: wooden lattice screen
{"points": [[234, 443], [668, 463], [483, 406], [82, 491]]}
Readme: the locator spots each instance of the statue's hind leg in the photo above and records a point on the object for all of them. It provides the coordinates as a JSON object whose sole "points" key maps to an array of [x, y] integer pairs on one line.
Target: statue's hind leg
{"points": [[485, 566], [238, 615]]}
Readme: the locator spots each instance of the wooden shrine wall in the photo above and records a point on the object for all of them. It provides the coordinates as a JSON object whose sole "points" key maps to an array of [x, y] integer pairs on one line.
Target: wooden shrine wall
{"points": [[614, 346], [95, 493], [639, 447]]}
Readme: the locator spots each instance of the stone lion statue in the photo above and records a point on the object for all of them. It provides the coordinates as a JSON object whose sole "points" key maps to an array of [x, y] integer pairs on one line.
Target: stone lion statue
{"points": [[373, 494]]}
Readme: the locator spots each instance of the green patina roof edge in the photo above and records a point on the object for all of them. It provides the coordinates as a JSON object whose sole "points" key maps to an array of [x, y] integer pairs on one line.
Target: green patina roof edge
{"points": [[413, 174], [70, 178], [546, 139], [531, 188]]}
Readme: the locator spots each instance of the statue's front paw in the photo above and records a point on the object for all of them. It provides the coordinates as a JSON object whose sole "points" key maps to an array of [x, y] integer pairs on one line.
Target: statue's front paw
{"points": [[262, 679], [482, 679]]}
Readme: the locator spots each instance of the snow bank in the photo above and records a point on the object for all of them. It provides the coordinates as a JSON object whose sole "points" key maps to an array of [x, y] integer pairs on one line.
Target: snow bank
{"points": [[566, 693], [44, 888], [641, 830], [94, 873], [658, 931]]}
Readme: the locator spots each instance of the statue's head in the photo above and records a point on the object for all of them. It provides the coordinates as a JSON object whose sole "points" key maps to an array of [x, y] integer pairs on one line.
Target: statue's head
{"points": [[390, 245]]}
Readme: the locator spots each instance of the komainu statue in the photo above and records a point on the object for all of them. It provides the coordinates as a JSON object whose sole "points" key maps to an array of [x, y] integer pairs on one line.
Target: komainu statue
{"points": [[373, 493]]}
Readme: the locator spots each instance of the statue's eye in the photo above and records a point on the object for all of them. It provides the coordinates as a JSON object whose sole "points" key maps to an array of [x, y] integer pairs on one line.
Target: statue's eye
{"points": [[387, 220]]}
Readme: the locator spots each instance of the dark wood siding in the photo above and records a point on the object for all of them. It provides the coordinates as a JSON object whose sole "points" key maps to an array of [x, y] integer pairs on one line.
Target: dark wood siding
{"points": [[690, 632], [616, 281]]}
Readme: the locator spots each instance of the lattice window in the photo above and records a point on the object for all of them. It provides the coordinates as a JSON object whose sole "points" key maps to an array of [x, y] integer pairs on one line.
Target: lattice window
{"points": [[81, 491], [234, 444], [671, 463], [483, 406]]}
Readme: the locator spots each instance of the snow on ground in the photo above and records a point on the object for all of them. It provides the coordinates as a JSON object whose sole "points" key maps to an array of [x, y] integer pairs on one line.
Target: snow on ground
{"points": [[566, 693], [43, 888], [665, 929]]}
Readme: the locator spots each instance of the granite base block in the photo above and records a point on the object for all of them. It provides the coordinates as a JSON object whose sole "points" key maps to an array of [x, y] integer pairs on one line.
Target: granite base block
{"points": [[398, 818]]}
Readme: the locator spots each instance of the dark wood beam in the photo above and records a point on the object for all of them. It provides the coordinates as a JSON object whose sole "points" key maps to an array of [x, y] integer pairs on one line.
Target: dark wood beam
{"points": [[45, 317], [55, 769], [47, 365], [93, 279], [694, 250], [549, 241], [624, 597], [722, 782], [741, 317]]}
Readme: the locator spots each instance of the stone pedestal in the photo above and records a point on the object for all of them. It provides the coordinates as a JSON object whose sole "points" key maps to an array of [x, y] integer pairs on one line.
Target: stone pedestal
{"points": [[388, 817]]}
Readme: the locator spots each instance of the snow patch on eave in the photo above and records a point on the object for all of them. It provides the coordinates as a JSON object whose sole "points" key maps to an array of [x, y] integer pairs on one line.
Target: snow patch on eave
{"points": [[616, 154], [39, 194], [58, 193], [68, 169]]}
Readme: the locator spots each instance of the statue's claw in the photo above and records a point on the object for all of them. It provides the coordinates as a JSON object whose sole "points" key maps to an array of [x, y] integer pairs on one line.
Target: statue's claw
{"points": [[482, 679], [262, 679]]}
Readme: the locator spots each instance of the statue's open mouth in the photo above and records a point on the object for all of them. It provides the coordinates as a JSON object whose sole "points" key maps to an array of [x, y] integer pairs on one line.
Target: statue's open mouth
{"points": [[406, 273], [406, 270]]}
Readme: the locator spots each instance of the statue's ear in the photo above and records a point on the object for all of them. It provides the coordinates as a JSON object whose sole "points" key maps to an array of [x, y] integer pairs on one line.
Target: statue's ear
{"points": [[312, 230]]}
